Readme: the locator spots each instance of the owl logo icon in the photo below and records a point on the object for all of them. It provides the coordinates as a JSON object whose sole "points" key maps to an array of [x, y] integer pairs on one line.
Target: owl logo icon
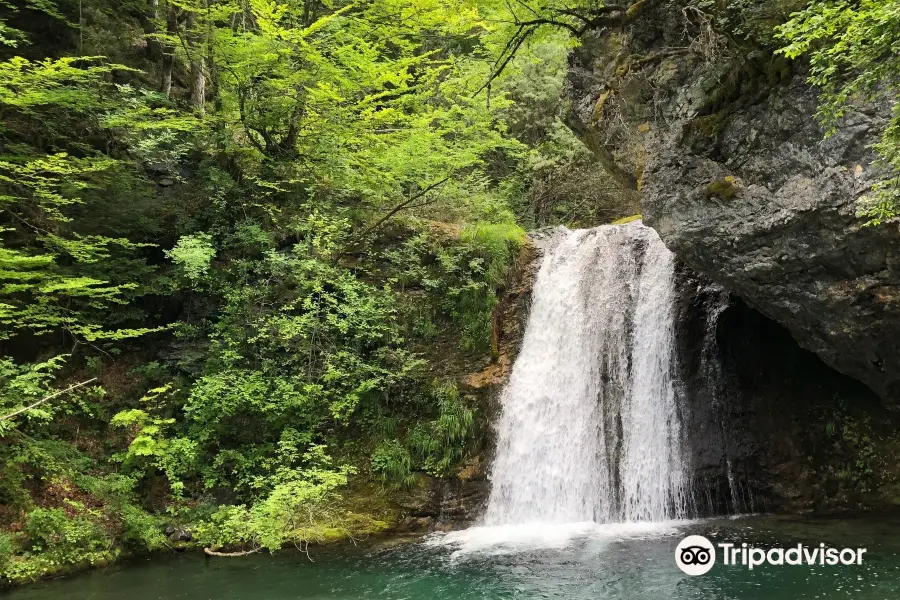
{"points": [[695, 555]]}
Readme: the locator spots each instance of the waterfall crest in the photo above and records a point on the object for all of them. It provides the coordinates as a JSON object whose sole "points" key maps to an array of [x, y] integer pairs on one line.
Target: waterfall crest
{"points": [[590, 426]]}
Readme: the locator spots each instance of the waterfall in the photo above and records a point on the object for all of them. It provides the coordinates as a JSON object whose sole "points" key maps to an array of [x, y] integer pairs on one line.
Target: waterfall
{"points": [[590, 426]]}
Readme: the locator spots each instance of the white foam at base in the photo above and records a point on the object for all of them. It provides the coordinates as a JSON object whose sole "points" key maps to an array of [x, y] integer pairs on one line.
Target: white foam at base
{"points": [[498, 540]]}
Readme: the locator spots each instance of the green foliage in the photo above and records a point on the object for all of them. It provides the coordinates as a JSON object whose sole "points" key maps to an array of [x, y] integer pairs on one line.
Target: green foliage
{"points": [[93, 518], [851, 440], [442, 443], [141, 530], [229, 526], [152, 450], [24, 385], [557, 180], [70, 538], [852, 48], [298, 510], [461, 277], [319, 204], [193, 254], [481, 266], [8, 549], [57, 541], [316, 193], [49, 173], [392, 462], [435, 446]]}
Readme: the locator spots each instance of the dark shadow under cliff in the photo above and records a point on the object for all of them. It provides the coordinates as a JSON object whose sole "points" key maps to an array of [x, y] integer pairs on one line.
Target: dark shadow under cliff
{"points": [[771, 427]]}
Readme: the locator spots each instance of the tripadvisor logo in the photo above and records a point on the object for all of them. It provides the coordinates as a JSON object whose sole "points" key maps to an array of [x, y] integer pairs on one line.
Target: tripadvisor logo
{"points": [[696, 555]]}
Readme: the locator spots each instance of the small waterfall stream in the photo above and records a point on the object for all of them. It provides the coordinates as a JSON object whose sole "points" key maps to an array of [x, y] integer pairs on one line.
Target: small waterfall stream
{"points": [[590, 427]]}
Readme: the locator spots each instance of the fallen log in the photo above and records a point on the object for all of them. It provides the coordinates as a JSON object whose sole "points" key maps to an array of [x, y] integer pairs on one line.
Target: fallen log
{"points": [[230, 554]]}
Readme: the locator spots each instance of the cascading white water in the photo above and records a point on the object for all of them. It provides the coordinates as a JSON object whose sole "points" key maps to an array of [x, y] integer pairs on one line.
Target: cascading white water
{"points": [[590, 429]]}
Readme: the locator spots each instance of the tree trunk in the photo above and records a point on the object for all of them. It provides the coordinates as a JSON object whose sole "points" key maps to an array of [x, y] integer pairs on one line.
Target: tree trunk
{"points": [[148, 22], [168, 59], [198, 64], [198, 84]]}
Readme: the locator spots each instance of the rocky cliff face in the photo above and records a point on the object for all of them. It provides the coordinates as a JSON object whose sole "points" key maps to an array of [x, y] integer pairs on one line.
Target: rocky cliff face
{"points": [[719, 138], [739, 180], [770, 213]]}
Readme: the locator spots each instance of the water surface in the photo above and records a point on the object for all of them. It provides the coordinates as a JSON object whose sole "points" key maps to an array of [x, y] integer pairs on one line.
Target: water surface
{"points": [[580, 561]]}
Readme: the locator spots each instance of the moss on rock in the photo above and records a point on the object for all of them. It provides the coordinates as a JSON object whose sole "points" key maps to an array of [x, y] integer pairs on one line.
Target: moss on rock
{"points": [[726, 188]]}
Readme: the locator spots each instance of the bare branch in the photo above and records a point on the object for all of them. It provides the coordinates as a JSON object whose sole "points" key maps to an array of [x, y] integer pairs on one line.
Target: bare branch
{"points": [[404, 204], [42, 400], [512, 46], [591, 18]]}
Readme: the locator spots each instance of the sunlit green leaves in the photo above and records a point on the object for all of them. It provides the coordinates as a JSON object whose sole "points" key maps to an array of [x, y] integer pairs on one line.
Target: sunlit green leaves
{"points": [[193, 254], [280, 232]]}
